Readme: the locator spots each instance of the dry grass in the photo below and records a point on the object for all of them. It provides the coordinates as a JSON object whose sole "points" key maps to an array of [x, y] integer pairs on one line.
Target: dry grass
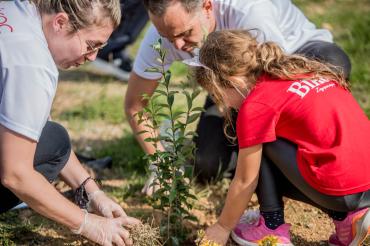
{"points": [[145, 235]]}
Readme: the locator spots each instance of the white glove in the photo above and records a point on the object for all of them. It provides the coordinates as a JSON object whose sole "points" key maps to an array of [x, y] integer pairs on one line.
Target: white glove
{"points": [[100, 204], [105, 231], [149, 187]]}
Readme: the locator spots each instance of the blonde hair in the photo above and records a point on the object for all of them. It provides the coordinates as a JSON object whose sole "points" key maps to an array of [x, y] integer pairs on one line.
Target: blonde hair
{"points": [[230, 53], [83, 13]]}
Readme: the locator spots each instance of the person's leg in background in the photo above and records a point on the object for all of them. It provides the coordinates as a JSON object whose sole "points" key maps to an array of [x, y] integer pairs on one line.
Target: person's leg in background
{"points": [[328, 53], [214, 156], [52, 153], [134, 19]]}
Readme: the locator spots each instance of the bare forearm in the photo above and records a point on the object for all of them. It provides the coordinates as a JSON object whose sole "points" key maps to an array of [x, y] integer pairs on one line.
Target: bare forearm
{"points": [[41, 196], [134, 103], [242, 186], [148, 147], [74, 174], [236, 202]]}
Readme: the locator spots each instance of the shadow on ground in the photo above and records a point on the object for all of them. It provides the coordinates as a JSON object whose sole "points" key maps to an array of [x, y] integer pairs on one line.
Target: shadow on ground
{"points": [[84, 74]]}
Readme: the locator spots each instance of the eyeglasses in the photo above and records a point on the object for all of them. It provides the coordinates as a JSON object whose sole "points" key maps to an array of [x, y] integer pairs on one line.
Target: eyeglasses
{"points": [[91, 48]]}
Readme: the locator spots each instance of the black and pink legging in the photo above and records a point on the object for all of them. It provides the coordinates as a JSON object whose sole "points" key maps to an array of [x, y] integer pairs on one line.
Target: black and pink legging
{"points": [[280, 176]]}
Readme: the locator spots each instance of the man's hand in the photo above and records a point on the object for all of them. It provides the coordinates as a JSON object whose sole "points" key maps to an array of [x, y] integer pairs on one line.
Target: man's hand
{"points": [[149, 187], [100, 204]]}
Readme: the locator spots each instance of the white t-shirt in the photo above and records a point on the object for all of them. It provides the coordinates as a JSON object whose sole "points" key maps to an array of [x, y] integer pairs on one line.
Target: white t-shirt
{"points": [[28, 74], [276, 20]]}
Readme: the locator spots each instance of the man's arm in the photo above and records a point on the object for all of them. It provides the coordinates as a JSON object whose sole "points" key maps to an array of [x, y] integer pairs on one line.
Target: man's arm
{"points": [[18, 175], [134, 103]]}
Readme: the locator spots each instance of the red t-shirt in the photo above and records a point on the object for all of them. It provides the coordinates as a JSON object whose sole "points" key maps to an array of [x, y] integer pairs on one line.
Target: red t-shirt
{"points": [[325, 122]]}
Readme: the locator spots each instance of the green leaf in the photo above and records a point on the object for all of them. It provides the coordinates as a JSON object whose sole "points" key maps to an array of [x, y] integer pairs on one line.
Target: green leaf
{"points": [[148, 110], [173, 194], [159, 60], [164, 138], [191, 218], [161, 92], [201, 109], [163, 54], [173, 92], [192, 197], [177, 115], [170, 100], [167, 77], [191, 134], [149, 126], [164, 115], [153, 70], [157, 46], [188, 100], [195, 94], [140, 121], [142, 132], [163, 105], [192, 118], [154, 97]]}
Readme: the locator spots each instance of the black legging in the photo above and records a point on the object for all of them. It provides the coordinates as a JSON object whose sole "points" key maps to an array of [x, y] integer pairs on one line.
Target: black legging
{"points": [[52, 153], [214, 149], [280, 176], [329, 53]]}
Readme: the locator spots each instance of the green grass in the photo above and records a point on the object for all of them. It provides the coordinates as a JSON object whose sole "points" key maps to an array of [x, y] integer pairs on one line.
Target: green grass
{"points": [[350, 24], [17, 231], [108, 109], [126, 154], [10, 226]]}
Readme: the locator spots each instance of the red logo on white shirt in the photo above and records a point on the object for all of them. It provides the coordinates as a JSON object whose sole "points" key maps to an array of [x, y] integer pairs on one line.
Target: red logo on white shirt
{"points": [[3, 22]]}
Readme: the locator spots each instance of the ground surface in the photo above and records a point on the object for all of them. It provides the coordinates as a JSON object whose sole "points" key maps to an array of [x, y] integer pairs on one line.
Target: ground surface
{"points": [[89, 105]]}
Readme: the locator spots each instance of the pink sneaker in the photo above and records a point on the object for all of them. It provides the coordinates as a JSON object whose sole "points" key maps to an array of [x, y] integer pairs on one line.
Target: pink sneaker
{"points": [[353, 230], [258, 234]]}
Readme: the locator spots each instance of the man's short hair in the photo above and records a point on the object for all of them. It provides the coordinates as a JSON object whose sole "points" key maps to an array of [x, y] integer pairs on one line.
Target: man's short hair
{"points": [[159, 7]]}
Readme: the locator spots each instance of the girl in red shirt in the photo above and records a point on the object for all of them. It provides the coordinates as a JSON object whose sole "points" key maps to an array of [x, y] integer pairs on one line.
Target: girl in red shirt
{"points": [[301, 134]]}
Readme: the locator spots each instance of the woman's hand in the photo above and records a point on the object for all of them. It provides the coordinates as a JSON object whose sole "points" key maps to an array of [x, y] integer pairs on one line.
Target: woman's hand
{"points": [[106, 231], [101, 204], [217, 234]]}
